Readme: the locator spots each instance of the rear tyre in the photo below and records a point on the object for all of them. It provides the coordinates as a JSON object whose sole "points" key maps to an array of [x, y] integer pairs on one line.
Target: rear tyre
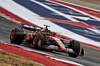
{"points": [[17, 36], [38, 40], [75, 45]]}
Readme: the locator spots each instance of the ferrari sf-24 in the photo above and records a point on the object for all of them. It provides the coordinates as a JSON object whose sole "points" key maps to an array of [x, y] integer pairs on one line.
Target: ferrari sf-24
{"points": [[45, 39]]}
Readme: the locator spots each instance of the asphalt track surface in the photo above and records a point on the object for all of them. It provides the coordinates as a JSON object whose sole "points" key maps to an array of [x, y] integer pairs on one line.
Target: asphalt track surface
{"points": [[91, 57], [82, 3]]}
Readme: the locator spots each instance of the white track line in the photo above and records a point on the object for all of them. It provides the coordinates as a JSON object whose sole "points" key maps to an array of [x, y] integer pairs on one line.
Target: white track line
{"points": [[77, 10], [36, 19], [45, 54], [64, 15]]}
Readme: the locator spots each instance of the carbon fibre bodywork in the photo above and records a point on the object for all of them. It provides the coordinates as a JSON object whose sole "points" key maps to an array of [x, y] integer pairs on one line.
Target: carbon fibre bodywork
{"points": [[46, 39]]}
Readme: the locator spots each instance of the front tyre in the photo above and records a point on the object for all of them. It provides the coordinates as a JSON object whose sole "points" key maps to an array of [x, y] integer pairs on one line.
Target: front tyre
{"points": [[38, 40], [75, 45], [17, 36]]}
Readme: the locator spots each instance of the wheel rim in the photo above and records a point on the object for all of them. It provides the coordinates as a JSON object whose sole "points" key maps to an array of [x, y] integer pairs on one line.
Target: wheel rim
{"points": [[35, 40], [39, 42], [12, 35]]}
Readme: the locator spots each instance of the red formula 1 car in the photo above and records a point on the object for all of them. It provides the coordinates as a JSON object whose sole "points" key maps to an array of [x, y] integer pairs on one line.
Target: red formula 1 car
{"points": [[46, 39]]}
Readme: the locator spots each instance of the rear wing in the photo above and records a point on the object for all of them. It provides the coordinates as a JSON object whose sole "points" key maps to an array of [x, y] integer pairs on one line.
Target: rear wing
{"points": [[29, 27]]}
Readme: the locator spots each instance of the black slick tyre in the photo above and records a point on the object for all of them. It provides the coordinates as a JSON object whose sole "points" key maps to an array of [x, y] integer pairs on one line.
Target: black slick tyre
{"points": [[38, 40], [17, 36], [75, 45]]}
